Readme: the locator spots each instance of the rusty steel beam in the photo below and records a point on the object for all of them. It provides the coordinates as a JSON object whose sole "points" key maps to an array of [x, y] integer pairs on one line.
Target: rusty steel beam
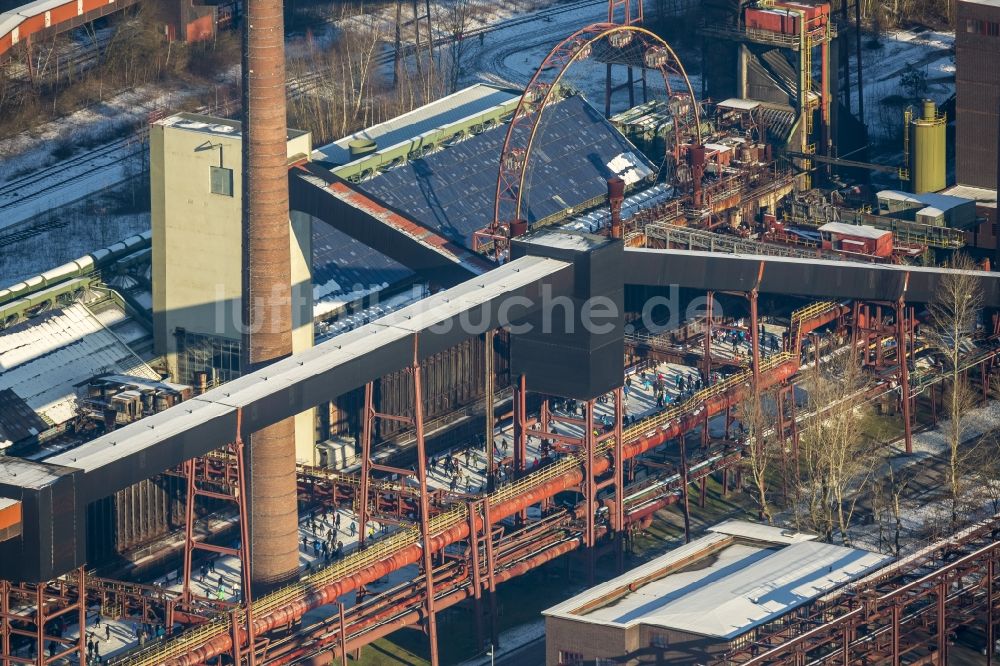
{"points": [[327, 594], [267, 307]]}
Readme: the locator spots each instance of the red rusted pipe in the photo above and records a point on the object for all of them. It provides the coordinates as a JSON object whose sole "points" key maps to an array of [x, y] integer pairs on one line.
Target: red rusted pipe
{"points": [[412, 554], [811, 325]]}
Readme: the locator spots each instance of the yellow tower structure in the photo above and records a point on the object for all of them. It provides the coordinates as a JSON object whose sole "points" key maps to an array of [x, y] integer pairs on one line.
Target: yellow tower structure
{"points": [[929, 158]]}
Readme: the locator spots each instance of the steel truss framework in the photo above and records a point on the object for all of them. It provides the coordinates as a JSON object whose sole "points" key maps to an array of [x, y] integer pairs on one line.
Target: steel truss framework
{"points": [[909, 610], [627, 44], [488, 547]]}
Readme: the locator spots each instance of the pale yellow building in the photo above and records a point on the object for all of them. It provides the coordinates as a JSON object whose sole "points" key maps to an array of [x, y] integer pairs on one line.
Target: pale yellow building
{"points": [[197, 190]]}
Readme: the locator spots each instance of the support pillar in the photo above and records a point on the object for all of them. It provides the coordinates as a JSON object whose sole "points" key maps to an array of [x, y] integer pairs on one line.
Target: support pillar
{"points": [[343, 634], [902, 359], [232, 487], [942, 621], [684, 491], [5, 623], [491, 568], [619, 519], [490, 407], [990, 639], [520, 426], [590, 490], [476, 567], [367, 425], [418, 418], [706, 366]]}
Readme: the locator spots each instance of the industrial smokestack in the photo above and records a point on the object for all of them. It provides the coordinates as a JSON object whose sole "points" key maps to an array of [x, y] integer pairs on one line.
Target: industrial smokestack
{"points": [[616, 197], [267, 307]]}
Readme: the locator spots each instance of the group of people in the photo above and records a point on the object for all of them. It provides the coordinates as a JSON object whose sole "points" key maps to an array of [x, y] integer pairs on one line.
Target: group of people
{"points": [[738, 338], [329, 547], [458, 479]]}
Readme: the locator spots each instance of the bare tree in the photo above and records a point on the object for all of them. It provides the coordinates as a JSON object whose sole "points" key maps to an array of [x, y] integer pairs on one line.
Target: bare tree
{"points": [[837, 460], [759, 453], [889, 491], [456, 23], [954, 314]]}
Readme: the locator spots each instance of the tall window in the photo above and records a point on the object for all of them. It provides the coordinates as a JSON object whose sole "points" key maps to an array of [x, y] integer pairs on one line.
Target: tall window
{"points": [[570, 658]]}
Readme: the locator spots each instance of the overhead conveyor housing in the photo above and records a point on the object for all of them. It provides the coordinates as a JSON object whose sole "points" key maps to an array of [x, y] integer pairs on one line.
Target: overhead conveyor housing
{"points": [[808, 278], [507, 295], [162, 441]]}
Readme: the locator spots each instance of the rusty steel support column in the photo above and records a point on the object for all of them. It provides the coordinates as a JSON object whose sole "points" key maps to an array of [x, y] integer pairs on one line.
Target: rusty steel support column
{"points": [[619, 521], [895, 633], [707, 365], [236, 493], [5, 623], [81, 640], [267, 307], [856, 325], [367, 424], [990, 640], [942, 621], [40, 622], [343, 635], [904, 374], [520, 426], [491, 571], [590, 490], [490, 407], [425, 517], [234, 627], [755, 344], [477, 574], [685, 507]]}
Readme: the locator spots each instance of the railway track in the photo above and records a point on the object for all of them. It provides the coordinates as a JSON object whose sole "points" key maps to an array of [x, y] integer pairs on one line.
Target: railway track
{"points": [[103, 159]]}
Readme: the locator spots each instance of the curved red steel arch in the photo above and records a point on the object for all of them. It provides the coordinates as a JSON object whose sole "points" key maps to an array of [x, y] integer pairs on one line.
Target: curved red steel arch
{"points": [[523, 127]]}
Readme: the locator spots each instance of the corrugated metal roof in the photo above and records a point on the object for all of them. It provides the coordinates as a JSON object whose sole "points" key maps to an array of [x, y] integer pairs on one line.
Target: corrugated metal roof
{"points": [[983, 196], [453, 191], [856, 230], [345, 269], [18, 421], [740, 586], [459, 105], [942, 202], [43, 358], [739, 103]]}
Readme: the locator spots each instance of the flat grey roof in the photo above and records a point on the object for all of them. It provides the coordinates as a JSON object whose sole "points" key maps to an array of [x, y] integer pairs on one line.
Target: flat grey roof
{"points": [[26, 474], [854, 230], [457, 106], [720, 585], [196, 122]]}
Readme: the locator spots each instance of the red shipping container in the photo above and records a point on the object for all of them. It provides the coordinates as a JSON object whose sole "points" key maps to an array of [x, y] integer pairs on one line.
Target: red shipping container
{"points": [[773, 20], [816, 15]]}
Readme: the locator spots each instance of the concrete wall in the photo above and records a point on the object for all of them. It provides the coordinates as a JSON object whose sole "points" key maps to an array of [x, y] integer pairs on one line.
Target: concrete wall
{"points": [[629, 646], [593, 641], [197, 254]]}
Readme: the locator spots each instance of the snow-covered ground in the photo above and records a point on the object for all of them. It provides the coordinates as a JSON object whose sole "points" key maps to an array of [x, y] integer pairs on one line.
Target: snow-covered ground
{"points": [[901, 51]]}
